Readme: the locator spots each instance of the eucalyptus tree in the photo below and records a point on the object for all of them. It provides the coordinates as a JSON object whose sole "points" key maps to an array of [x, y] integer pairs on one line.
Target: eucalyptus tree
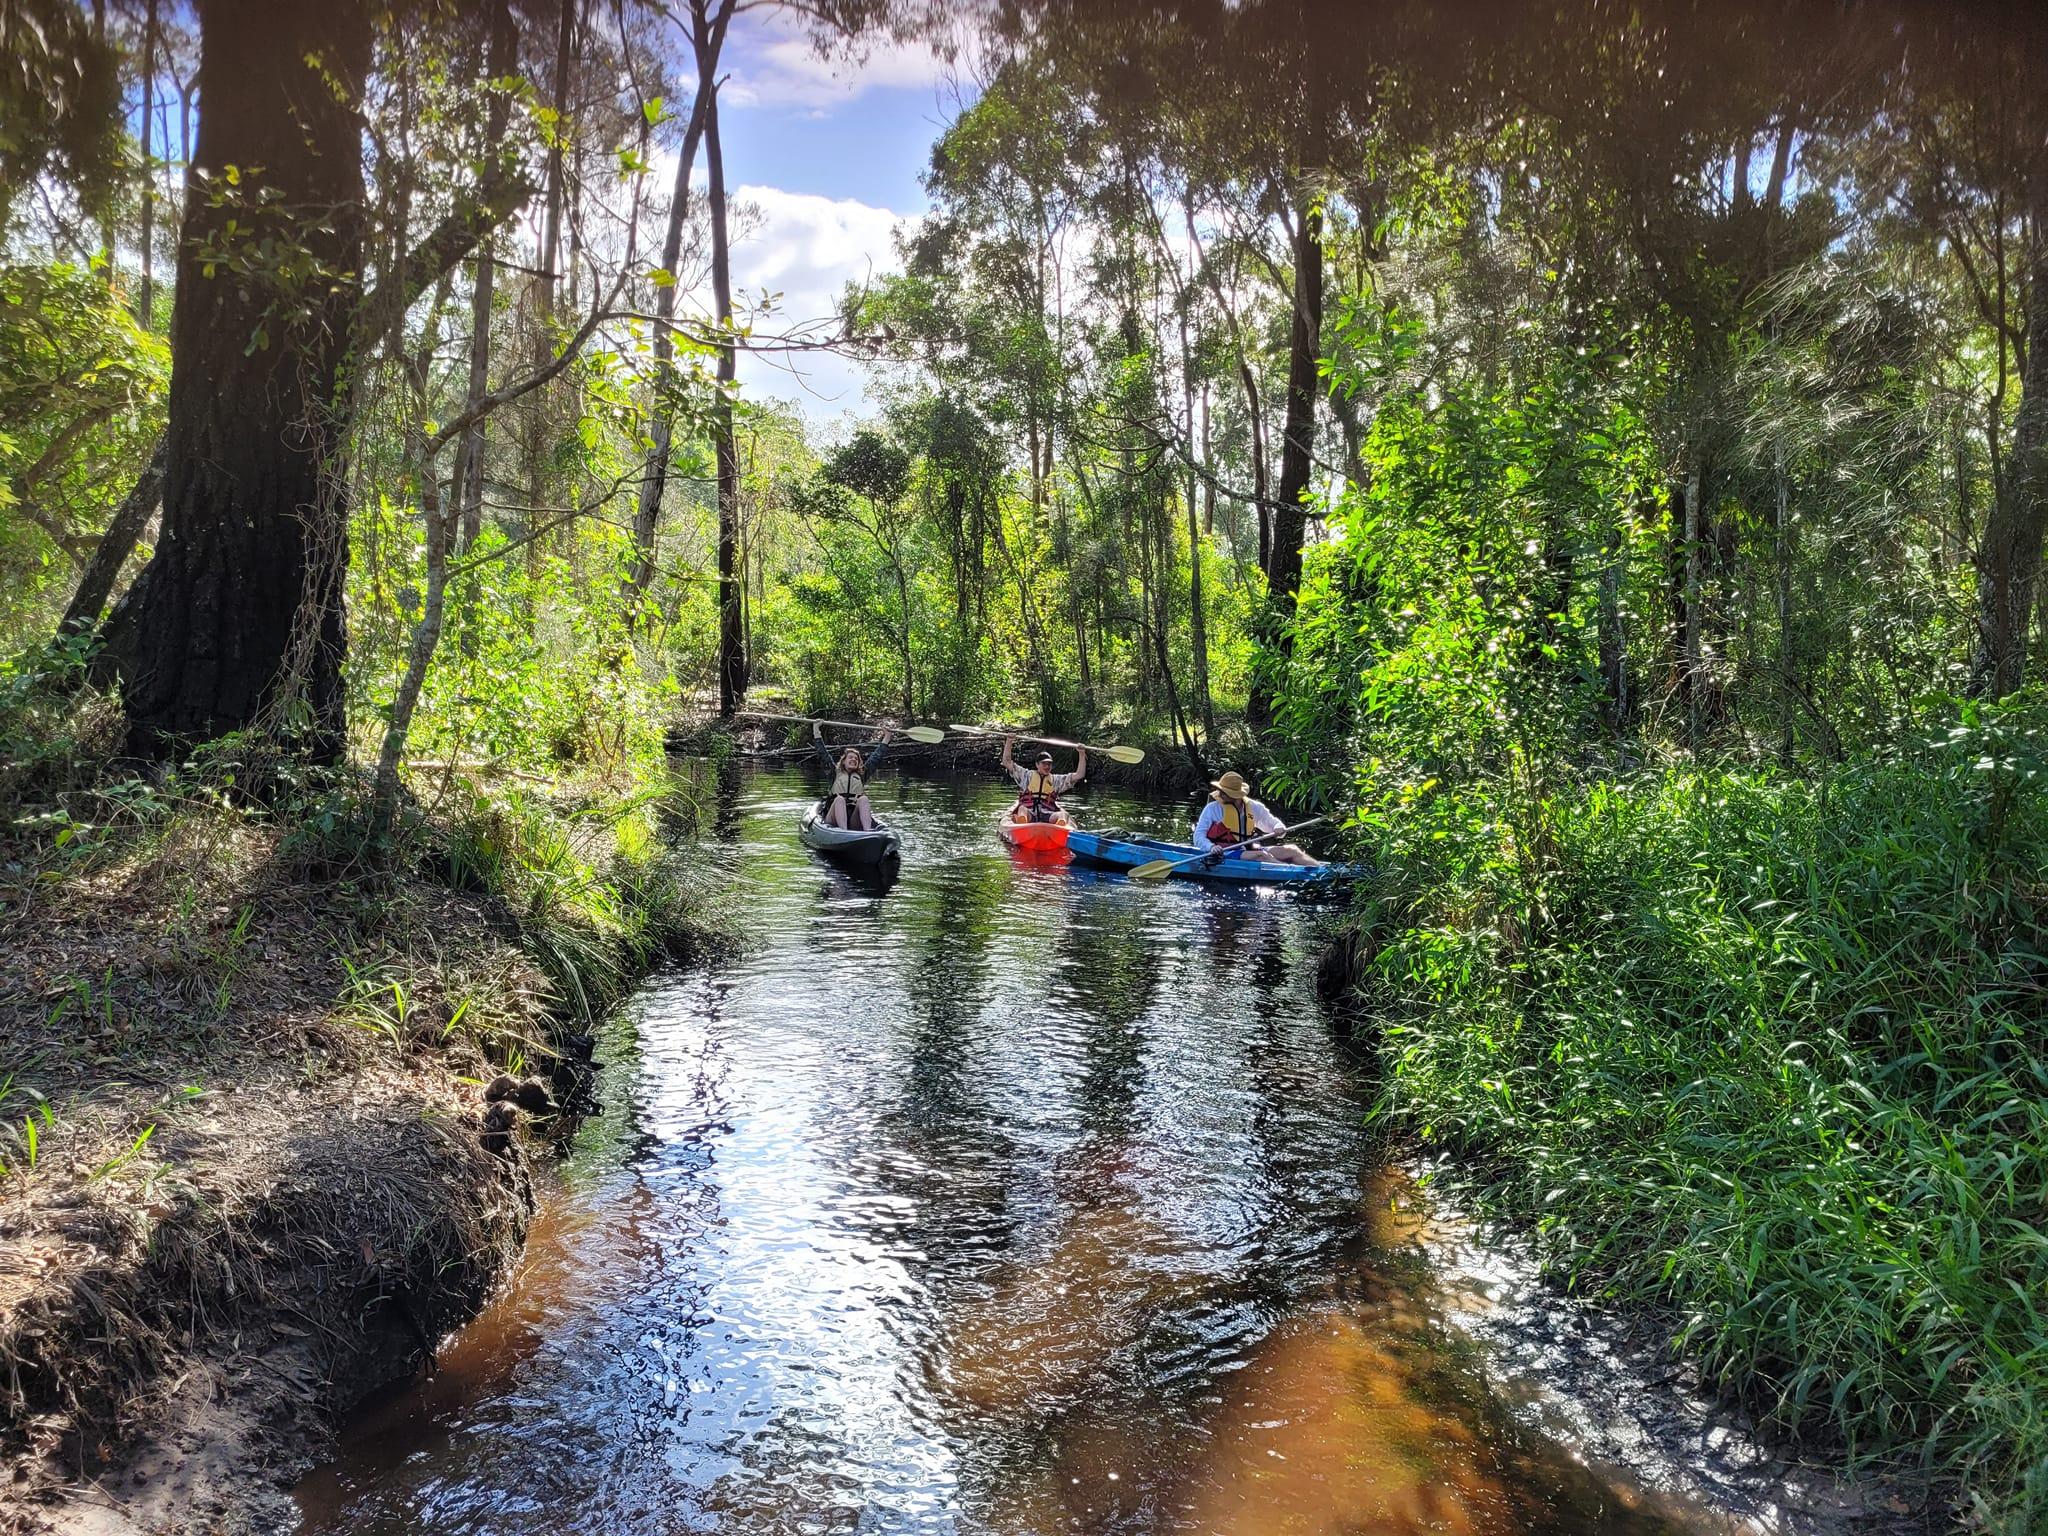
{"points": [[237, 620]]}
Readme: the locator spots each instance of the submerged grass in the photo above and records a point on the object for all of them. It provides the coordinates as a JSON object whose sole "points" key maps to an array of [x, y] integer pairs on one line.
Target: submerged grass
{"points": [[1774, 1055]]}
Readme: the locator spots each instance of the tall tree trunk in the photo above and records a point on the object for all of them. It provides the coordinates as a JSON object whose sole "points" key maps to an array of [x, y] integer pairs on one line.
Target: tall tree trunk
{"points": [[468, 491], [1781, 531], [467, 496], [1691, 653], [1198, 624], [1297, 452], [1612, 642], [732, 656], [654, 476], [237, 621], [539, 421], [145, 300], [2009, 556]]}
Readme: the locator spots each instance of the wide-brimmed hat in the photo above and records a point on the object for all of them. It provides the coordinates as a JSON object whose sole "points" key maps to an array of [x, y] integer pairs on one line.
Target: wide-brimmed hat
{"points": [[1232, 784]]}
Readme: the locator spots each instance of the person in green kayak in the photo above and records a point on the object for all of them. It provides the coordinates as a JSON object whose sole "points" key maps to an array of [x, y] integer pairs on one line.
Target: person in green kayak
{"points": [[846, 802], [1232, 815], [1038, 787]]}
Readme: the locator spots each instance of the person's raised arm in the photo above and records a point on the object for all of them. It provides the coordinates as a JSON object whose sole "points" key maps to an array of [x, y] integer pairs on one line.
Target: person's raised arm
{"points": [[871, 754], [1009, 762], [818, 745], [1081, 769]]}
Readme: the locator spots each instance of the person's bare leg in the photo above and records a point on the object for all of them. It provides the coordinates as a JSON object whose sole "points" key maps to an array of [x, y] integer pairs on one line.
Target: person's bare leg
{"points": [[837, 814], [867, 815]]}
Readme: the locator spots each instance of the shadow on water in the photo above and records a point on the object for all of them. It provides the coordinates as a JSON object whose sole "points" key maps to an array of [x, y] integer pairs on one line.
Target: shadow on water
{"points": [[987, 1196]]}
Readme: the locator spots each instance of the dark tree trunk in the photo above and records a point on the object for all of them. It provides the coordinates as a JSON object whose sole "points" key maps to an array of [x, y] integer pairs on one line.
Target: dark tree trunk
{"points": [[237, 621], [145, 302], [732, 650], [2009, 557], [1297, 450]]}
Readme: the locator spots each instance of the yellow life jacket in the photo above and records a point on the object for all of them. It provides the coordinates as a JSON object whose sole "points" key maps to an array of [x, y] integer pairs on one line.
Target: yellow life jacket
{"points": [[1039, 794], [1233, 822]]}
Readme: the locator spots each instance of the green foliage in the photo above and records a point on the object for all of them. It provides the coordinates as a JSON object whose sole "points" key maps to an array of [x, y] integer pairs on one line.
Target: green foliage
{"points": [[82, 391], [1770, 1055], [60, 103]]}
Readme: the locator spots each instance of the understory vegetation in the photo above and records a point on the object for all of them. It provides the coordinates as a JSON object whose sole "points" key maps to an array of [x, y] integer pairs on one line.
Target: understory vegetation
{"points": [[1767, 1052]]}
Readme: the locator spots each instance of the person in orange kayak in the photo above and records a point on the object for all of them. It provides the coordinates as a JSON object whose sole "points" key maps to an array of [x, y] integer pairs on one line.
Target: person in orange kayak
{"points": [[846, 802], [1232, 815], [1038, 787]]}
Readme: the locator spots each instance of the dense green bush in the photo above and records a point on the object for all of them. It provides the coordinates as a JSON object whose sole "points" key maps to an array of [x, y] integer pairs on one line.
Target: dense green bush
{"points": [[1771, 1052]]}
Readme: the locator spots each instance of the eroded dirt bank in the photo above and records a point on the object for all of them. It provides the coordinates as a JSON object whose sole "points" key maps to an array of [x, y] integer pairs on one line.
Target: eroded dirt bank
{"points": [[260, 1154]]}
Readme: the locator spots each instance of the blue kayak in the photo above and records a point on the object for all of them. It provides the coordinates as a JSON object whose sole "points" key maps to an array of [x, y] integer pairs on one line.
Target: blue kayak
{"points": [[1121, 850]]}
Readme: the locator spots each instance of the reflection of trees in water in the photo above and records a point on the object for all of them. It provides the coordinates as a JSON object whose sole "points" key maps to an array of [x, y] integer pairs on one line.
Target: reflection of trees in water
{"points": [[939, 1140], [727, 783], [1105, 974]]}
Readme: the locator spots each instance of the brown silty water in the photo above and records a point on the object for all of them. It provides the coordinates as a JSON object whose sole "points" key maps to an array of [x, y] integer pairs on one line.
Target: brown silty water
{"points": [[1008, 1198]]}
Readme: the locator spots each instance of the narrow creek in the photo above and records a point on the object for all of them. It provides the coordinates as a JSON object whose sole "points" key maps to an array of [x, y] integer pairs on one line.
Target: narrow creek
{"points": [[1003, 1198]]}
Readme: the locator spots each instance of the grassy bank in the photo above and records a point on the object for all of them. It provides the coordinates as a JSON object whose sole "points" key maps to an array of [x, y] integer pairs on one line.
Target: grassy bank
{"points": [[258, 1145], [1771, 1055]]}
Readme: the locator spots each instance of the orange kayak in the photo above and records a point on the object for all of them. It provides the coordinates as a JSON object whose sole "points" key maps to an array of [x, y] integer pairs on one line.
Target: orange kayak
{"points": [[1034, 836]]}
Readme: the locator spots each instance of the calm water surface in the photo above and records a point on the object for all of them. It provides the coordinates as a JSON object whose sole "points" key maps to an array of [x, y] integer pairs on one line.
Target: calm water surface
{"points": [[1005, 1198]]}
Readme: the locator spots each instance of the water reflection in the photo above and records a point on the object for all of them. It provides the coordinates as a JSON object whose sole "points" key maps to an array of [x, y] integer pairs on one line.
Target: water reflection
{"points": [[1004, 1198]]}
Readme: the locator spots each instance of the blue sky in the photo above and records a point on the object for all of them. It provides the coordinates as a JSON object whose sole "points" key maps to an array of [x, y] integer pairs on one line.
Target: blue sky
{"points": [[828, 150]]}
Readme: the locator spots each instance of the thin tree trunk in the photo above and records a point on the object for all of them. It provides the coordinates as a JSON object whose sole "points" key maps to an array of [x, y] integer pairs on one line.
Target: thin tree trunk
{"points": [[1781, 529], [426, 638], [104, 568], [732, 660], [468, 491], [654, 477], [1297, 456], [1695, 555], [1612, 643], [467, 494], [145, 303]]}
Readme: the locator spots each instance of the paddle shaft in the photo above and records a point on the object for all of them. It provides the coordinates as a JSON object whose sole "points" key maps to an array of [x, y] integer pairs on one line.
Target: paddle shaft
{"points": [[922, 733], [1166, 867], [1122, 753]]}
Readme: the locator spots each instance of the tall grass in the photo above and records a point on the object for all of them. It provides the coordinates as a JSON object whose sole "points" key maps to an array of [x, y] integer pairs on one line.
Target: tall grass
{"points": [[1774, 1054]]}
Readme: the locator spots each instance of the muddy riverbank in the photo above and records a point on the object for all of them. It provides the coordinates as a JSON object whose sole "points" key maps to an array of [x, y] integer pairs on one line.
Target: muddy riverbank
{"points": [[256, 1161]]}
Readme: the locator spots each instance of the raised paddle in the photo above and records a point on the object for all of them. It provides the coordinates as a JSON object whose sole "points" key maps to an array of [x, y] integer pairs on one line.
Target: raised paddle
{"points": [[1158, 869], [929, 735], [1129, 756]]}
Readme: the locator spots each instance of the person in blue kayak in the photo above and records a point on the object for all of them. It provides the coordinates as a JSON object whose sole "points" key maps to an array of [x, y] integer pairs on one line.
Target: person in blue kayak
{"points": [[1038, 787], [1231, 815], [846, 802]]}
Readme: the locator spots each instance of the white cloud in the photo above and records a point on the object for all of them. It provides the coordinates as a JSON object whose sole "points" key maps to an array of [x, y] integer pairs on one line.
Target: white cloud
{"points": [[806, 248], [775, 62]]}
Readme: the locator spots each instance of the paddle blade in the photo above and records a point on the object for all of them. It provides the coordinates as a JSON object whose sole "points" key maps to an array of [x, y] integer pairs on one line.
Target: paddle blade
{"points": [[1156, 870], [1129, 755], [931, 736]]}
